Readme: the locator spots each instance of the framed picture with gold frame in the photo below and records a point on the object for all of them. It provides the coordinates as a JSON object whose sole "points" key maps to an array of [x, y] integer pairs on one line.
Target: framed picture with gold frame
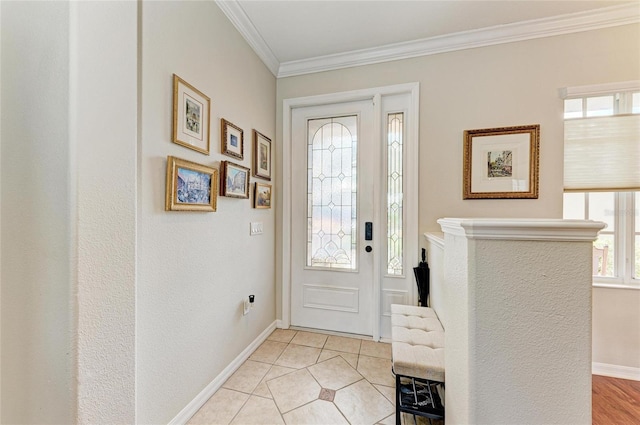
{"points": [[191, 110], [262, 195], [261, 155], [235, 180], [190, 186], [501, 163], [232, 139]]}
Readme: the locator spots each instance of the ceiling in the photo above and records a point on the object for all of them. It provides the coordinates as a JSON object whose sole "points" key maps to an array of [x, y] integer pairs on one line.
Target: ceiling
{"points": [[301, 36]]}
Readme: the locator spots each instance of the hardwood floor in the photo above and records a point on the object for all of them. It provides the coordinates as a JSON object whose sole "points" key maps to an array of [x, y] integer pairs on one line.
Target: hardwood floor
{"points": [[615, 401]]}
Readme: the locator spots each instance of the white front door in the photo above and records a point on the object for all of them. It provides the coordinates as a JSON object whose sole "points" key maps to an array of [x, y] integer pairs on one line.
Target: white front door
{"points": [[332, 259], [350, 159]]}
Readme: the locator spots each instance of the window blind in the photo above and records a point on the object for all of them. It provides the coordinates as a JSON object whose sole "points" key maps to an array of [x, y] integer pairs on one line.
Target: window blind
{"points": [[602, 153]]}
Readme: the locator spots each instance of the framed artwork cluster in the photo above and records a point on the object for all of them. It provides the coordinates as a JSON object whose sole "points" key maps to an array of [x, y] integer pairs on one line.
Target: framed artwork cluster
{"points": [[194, 187]]}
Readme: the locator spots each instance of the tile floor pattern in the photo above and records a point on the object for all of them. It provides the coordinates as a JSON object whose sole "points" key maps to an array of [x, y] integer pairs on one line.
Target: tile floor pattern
{"points": [[298, 377]]}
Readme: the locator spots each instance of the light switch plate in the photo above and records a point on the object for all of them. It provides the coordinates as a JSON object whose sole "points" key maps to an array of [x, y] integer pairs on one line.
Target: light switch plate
{"points": [[256, 228]]}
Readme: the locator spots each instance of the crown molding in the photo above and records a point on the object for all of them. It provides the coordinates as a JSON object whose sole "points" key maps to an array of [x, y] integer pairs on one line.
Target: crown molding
{"points": [[519, 31], [238, 17]]}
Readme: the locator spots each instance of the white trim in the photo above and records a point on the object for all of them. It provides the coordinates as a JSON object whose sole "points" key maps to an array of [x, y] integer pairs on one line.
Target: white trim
{"points": [[377, 184], [346, 96], [518, 31], [412, 189], [523, 229], [194, 405], [598, 89], [615, 371], [238, 17], [325, 99], [435, 238], [286, 191], [605, 285]]}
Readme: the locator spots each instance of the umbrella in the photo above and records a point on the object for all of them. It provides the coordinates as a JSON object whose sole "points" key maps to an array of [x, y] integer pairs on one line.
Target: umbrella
{"points": [[422, 279]]}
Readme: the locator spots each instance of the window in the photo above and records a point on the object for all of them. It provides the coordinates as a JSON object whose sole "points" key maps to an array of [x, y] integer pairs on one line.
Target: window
{"points": [[617, 249], [602, 178]]}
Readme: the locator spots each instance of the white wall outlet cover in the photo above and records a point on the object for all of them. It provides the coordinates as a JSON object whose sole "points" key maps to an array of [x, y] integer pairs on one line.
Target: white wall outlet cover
{"points": [[247, 307]]}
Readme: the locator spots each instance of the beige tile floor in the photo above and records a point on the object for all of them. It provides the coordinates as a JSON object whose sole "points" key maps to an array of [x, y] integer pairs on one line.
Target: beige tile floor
{"points": [[299, 377]]}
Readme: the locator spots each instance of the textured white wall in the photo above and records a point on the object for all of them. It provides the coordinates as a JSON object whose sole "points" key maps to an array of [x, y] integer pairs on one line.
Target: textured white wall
{"points": [[103, 127], [195, 268], [525, 307], [532, 338], [36, 292], [495, 86]]}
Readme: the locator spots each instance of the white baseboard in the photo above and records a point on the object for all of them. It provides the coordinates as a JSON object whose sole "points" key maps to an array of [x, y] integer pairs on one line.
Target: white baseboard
{"points": [[615, 371], [195, 404], [279, 324]]}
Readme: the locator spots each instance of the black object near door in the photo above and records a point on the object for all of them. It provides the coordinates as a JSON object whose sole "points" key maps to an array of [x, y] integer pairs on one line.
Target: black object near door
{"points": [[422, 279]]}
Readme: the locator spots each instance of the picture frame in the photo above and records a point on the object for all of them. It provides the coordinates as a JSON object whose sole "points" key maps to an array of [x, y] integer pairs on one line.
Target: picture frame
{"points": [[261, 155], [190, 186], [501, 163], [191, 116], [232, 139], [262, 195], [235, 180]]}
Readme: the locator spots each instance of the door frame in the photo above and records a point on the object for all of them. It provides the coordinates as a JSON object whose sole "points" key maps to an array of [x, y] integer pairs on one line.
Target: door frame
{"points": [[411, 188]]}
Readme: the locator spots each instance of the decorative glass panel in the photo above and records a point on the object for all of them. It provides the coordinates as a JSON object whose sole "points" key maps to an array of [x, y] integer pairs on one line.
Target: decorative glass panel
{"points": [[331, 192], [395, 131]]}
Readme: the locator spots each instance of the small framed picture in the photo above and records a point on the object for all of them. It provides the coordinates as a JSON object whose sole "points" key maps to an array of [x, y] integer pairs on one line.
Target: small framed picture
{"points": [[232, 139], [190, 186], [261, 155], [190, 116], [262, 195], [235, 180], [501, 163]]}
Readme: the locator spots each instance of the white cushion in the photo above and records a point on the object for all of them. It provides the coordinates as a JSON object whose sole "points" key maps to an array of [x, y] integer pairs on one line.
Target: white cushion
{"points": [[417, 342]]}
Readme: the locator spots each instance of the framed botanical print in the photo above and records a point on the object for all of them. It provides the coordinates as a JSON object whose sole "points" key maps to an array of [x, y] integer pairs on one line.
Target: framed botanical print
{"points": [[191, 110]]}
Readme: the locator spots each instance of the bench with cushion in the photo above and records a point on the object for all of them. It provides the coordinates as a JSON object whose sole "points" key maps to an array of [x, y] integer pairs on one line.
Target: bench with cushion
{"points": [[418, 361]]}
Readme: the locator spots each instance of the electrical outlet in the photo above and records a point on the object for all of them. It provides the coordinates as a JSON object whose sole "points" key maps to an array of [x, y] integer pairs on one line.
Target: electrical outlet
{"points": [[247, 307], [255, 228]]}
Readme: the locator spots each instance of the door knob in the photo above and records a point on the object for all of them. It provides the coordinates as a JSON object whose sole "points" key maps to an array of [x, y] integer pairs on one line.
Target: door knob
{"points": [[368, 248]]}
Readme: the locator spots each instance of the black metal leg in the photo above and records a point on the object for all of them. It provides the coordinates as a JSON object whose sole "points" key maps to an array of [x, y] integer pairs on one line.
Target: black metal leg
{"points": [[398, 395]]}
